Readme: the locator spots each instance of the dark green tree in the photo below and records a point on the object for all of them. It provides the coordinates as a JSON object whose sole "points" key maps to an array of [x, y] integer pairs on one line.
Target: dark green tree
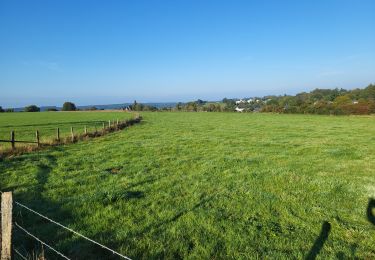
{"points": [[179, 106], [32, 108], [69, 106]]}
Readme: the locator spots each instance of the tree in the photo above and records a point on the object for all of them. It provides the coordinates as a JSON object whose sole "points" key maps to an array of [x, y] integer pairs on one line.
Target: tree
{"points": [[200, 102], [138, 106], [135, 106], [192, 106], [179, 106], [213, 108], [230, 104], [369, 92], [32, 108], [342, 100], [69, 106], [1, 109], [51, 109]]}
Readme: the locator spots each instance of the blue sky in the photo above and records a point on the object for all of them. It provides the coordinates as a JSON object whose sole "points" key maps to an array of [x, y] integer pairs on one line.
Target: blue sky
{"points": [[98, 52]]}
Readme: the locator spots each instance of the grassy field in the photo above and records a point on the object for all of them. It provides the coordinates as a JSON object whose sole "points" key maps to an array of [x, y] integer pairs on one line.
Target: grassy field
{"points": [[204, 186], [25, 124]]}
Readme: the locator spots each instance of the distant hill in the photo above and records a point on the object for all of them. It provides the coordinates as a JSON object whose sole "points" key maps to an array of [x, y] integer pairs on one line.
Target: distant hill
{"points": [[119, 106], [105, 107]]}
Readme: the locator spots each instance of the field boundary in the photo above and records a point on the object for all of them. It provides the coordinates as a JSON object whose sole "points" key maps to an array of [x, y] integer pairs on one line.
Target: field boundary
{"points": [[8, 224], [111, 126]]}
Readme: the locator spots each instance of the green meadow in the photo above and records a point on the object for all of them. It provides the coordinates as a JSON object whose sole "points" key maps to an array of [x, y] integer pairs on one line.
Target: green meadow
{"points": [[25, 124], [199, 186]]}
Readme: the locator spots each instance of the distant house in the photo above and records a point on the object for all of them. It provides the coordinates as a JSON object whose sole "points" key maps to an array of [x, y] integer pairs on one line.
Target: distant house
{"points": [[240, 101], [239, 109], [355, 102]]}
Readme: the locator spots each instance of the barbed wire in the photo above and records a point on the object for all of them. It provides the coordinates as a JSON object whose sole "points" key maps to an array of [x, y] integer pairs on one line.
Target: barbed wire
{"points": [[71, 230], [43, 243]]}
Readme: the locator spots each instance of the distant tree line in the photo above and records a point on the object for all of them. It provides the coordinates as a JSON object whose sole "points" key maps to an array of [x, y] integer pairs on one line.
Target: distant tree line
{"points": [[319, 101], [324, 101], [202, 106], [7, 110], [67, 106], [142, 107]]}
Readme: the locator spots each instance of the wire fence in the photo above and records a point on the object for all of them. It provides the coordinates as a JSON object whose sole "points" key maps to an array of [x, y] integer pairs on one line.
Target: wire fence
{"points": [[40, 241], [52, 248], [8, 146], [40, 134], [71, 230], [111, 126]]}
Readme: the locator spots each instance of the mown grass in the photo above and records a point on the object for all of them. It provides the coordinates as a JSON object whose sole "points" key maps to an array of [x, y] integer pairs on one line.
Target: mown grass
{"points": [[203, 186], [25, 124]]}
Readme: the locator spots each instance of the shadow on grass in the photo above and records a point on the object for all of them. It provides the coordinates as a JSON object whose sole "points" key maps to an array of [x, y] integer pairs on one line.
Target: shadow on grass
{"points": [[370, 211], [319, 242], [36, 197], [159, 227], [177, 216], [134, 195], [326, 228]]}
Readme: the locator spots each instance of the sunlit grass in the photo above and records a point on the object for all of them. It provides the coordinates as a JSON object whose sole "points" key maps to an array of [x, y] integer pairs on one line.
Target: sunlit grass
{"points": [[25, 124], [205, 185]]}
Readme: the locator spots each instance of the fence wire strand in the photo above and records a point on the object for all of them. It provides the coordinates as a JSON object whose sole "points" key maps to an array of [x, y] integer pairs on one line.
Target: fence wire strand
{"points": [[19, 254], [71, 230], [43, 243]]}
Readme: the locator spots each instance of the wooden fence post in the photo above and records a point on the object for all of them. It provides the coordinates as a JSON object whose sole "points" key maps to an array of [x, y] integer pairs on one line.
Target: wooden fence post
{"points": [[103, 126], [85, 130], [37, 138], [109, 123], [12, 139], [72, 133], [6, 225], [58, 134]]}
